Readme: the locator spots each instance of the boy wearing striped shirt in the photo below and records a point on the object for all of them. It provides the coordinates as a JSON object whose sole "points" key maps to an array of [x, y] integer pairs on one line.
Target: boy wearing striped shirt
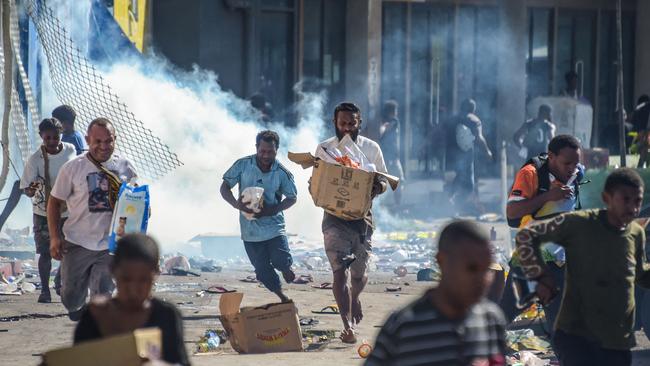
{"points": [[452, 324]]}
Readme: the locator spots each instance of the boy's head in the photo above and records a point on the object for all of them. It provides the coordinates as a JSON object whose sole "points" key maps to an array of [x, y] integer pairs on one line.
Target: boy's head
{"points": [[563, 156], [464, 258], [135, 267], [66, 115], [623, 194], [50, 131]]}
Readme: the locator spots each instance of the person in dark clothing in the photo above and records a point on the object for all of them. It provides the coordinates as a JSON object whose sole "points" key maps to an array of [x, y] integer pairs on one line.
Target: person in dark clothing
{"points": [[390, 144], [453, 323], [534, 135], [67, 115], [465, 133], [134, 268]]}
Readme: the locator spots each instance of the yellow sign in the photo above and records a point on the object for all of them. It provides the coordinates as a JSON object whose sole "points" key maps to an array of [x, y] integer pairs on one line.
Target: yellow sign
{"points": [[131, 15]]}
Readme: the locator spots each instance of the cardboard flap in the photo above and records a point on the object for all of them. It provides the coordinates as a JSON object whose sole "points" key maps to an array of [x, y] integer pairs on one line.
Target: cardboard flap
{"points": [[229, 303], [306, 160], [393, 181]]}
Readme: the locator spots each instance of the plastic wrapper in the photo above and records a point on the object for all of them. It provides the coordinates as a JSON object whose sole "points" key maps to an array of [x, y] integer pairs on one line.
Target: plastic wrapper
{"points": [[131, 214], [347, 153], [253, 197]]}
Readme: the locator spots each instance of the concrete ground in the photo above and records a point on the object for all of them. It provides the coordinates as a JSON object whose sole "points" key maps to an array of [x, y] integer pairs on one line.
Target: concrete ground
{"points": [[37, 328]]}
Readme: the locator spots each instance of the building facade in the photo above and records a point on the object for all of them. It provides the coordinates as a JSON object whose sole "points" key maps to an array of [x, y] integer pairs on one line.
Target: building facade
{"points": [[428, 55]]}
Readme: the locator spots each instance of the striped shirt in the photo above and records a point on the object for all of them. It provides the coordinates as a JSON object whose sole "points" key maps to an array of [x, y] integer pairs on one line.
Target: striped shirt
{"points": [[421, 335]]}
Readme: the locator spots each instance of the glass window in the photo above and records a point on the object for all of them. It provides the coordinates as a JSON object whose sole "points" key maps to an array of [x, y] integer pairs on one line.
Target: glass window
{"points": [[608, 76], [539, 57], [576, 50], [277, 3], [276, 59]]}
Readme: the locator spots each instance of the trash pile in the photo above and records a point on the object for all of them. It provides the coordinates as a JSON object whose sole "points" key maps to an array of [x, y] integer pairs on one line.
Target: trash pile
{"points": [[211, 340], [16, 286], [528, 349]]}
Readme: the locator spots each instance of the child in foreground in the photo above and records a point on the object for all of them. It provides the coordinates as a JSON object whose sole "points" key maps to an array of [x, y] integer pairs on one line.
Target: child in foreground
{"points": [[605, 258], [134, 268], [452, 324]]}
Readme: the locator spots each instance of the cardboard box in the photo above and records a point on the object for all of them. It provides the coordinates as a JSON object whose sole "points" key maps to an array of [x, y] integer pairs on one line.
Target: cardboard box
{"points": [[263, 329], [343, 192], [125, 350]]}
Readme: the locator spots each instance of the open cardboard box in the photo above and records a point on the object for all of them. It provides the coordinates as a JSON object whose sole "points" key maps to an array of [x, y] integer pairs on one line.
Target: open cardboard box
{"points": [[262, 329], [125, 350], [343, 192]]}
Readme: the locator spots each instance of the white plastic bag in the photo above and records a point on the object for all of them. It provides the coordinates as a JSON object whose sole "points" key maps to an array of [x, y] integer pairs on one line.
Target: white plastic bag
{"points": [[346, 153], [253, 197]]}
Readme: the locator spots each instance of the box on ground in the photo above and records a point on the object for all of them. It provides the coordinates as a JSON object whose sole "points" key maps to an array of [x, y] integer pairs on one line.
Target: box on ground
{"points": [[262, 329], [125, 350], [343, 192]]}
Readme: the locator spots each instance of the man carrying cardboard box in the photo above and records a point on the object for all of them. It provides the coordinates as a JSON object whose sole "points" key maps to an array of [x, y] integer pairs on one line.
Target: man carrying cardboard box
{"points": [[264, 235], [348, 242]]}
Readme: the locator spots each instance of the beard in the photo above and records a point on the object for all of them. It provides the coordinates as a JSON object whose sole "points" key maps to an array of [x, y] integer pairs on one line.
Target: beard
{"points": [[353, 135]]}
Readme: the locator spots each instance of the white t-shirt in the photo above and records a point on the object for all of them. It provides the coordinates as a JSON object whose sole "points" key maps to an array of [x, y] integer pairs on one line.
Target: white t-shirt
{"points": [[34, 172], [370, 148], [85, 190]]}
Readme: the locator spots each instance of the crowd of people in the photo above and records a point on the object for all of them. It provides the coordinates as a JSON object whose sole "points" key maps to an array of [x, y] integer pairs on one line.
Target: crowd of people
{"points": [[584, 274]]}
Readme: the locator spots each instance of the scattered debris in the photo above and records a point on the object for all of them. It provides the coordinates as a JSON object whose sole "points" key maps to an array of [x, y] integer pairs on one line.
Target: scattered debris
{"points": [[211, 340], [364, 349], [525, 339]]}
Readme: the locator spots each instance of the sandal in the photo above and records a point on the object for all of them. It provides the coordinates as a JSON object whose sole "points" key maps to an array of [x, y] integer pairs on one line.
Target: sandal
{"points": [[393, 289], [249, 279], [331, 309], [303, 279], [323, 286], [218, 289]]}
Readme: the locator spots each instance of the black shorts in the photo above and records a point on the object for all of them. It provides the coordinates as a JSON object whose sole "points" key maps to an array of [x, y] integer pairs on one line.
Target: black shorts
{"points": [[41, 235]]}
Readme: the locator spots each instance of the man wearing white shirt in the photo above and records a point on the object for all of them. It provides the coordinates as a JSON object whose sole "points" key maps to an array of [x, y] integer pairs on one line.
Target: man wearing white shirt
{"points": [[86, 185], [348, 243]]}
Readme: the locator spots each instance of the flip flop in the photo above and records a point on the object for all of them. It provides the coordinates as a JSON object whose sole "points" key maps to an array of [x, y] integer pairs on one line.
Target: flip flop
{"points": [[304, 279], [393, 289], [217, 289], [332, 309], [323, 286], [249, 279]]}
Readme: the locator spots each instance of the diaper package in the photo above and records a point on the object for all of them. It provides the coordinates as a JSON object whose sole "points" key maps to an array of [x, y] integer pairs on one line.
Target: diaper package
{"points": [[131, 214]]}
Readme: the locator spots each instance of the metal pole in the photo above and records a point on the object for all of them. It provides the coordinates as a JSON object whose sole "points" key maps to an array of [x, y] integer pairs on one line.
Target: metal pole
{"points": [[438, 92], [620, 100], [8, 88]]}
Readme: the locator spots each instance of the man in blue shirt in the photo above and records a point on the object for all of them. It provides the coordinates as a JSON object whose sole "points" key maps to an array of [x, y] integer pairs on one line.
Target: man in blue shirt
{"points": [[67, 115], [264, 236]]}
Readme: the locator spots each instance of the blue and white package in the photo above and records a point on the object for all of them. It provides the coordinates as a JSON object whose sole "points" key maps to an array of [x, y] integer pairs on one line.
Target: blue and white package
{"points": [[131, 214]]}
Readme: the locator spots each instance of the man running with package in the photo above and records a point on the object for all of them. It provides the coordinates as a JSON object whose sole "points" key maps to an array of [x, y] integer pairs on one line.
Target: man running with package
{"points": [[348, 243], [88, 185], [261, 214]]}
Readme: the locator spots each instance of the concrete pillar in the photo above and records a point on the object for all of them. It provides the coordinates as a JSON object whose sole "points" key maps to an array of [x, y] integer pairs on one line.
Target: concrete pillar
{"points": [[363, 60], [642, 59], [511, 80]]}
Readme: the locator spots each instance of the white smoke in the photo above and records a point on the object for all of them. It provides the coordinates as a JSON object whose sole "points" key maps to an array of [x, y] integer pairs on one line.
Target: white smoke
{"points": [[206, 126], [199, 124]]}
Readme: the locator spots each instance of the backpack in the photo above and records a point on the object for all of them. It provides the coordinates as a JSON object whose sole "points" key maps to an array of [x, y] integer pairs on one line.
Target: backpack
{"points": [[544, 183]]}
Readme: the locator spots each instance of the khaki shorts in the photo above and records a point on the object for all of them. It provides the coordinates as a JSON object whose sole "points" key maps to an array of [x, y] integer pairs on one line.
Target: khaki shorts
{"points": [[341, 242]]}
